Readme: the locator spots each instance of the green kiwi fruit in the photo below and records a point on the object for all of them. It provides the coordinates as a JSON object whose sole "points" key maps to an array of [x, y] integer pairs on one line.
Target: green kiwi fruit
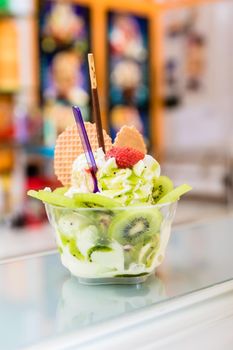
{"points": [[162, 186], [135, 225], [94, 200], [102, 219], [175, 194], [151, 257], [71, 223], [74, 250], [52, 198], [79, 200], [99, 248], [64, 239], [61, 190], [148, 252], [131, 275], [131, 254]]}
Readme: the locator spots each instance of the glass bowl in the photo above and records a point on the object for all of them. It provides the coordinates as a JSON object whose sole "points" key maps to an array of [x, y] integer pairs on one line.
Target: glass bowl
{"points": [[112, 246]]}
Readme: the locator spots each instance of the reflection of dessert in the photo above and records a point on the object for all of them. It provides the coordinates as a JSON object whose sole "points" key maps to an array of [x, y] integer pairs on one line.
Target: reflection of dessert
{"points": [[78, 308], [120, 232]]}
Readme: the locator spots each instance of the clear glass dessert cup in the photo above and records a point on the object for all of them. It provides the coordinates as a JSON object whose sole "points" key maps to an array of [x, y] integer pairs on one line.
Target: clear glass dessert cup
{"points": [[112, 246]]}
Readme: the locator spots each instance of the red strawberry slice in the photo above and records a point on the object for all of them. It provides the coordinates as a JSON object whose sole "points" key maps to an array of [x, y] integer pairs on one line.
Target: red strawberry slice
{"points": [[126, 157]]}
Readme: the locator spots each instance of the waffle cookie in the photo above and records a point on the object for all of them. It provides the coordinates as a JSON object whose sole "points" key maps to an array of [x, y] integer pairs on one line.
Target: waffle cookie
{"points": [[129, 136], [69, 147]]}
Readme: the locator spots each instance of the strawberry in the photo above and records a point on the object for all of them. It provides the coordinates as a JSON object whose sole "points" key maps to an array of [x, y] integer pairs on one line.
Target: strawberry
{"points": [[126, 157]]}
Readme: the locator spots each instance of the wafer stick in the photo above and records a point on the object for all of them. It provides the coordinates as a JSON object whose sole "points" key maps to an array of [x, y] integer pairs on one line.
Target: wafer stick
{"points": [[95, 101]]}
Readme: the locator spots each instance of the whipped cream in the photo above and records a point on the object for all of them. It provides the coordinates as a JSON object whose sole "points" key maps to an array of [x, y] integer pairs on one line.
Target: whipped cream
{"points": [[127, 185]]}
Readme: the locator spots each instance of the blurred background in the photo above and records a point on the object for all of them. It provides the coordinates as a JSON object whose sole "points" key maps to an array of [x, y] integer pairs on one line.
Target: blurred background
{"points": [[164, 66]]}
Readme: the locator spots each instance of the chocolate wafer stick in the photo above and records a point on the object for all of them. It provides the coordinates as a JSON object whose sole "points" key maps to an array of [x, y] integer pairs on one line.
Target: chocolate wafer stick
{"points": [[95, 101]]}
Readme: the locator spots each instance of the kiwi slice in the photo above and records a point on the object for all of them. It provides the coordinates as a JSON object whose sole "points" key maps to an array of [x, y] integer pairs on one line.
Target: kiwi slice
{"points": [[131, 254], [61, 190], [94, 200], [97, 248], [149, 251], [102, 219], [162, 186], [74, 250], [175, 194], [131, 275], [81, 200], [52, 198], [135, 225], [65, 240]]}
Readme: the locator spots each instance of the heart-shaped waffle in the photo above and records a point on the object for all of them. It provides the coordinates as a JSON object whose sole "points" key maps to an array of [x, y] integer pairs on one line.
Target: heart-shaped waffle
{"points": [[69, 147], [129, 136]]}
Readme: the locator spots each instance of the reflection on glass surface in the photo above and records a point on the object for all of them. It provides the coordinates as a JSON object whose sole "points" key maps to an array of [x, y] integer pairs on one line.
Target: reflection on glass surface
{"points": [[38, 295], [82, 305], [199, 256]]}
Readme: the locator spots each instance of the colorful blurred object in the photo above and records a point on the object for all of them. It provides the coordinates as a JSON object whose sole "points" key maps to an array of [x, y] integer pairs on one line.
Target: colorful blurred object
{"points": [[126, 37], [7, 160], [63, 25], [9, 60], [126, 115], [129, 98], [185, 57], [64, 33], [6, 117], [4, 6]]}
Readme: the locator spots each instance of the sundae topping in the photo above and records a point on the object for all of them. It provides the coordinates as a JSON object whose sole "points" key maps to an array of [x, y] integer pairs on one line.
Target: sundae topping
{"points": [[69, 147], [129, 136], [125, 175], [125, 184], [129, 185], [126, 157]]}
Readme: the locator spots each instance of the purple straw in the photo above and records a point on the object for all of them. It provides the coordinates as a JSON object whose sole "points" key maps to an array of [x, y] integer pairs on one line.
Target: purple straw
{"points": [[86, 145]]}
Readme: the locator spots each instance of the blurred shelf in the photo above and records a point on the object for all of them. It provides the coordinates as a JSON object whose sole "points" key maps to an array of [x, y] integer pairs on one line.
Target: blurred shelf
{"points": [[7, 14], [16, 242], [9, 91], [44, 151], [38, 149]]}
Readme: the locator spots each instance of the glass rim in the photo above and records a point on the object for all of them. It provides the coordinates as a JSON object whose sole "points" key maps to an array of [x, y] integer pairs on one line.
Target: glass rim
{"points": [[150, 206]]}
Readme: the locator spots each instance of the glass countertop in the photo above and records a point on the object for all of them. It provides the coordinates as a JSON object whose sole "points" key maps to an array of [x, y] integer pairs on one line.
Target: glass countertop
{"points": [[39, 300]]}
